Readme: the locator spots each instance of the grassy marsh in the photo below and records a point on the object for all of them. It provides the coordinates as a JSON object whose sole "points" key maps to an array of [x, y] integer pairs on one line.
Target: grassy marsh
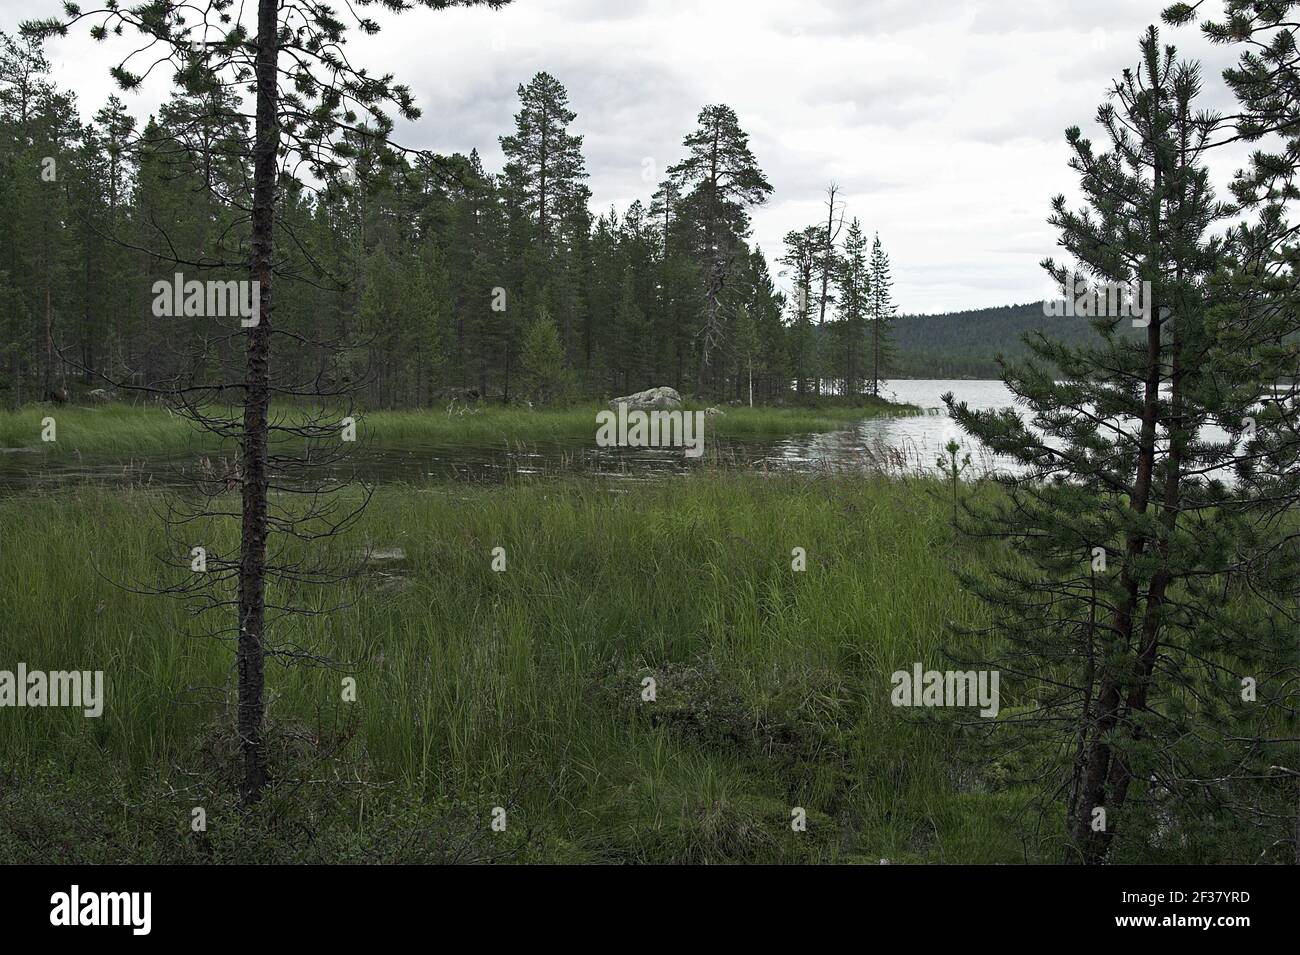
{"points": [[519, 689]]}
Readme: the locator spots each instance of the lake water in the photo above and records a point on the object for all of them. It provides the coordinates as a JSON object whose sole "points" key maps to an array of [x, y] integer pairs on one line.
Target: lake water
{"points": [[904, 443], [922, 438]]}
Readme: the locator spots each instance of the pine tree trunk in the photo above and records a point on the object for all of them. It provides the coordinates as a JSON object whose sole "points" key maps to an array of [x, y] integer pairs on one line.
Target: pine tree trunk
{"points": [[711, 323], [875, 358], [49, 345], [1093, 845], [826, 276], [1121, 775], [251, 653]]}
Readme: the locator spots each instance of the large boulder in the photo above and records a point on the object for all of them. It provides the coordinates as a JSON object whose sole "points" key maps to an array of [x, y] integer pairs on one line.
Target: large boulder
{"points": [[652, 399]]}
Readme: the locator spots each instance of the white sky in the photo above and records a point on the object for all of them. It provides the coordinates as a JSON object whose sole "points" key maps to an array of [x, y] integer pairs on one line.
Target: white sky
{"points": [[942, 120]]}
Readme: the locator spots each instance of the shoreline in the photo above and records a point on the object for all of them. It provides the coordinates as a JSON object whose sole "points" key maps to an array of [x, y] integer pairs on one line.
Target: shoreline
{"points": [[132, 430]]}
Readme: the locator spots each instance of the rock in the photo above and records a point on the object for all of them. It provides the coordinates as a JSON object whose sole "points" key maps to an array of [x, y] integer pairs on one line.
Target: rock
{"points": [[713, 412], [652, 399], [101, 394]]}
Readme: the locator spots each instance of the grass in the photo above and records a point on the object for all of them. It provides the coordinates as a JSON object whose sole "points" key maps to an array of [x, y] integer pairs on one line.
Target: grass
{"points": [[520, 689], [111, 428], [126, 430]]}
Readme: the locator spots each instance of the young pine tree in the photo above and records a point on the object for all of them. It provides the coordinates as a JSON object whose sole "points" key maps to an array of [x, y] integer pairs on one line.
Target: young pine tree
{"points": [[1139, 589], [546, 379]]}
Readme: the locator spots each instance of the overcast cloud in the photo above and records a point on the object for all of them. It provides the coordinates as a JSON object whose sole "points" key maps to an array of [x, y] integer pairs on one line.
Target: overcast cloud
{"points": [[941, 121]]}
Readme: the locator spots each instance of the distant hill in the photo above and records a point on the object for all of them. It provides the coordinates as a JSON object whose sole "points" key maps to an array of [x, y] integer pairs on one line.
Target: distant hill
{"points": [[966, 344]]}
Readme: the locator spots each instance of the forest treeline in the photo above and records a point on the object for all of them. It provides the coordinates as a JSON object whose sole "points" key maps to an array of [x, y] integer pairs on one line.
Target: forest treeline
{"points": [[408, 275], [967, 344]]}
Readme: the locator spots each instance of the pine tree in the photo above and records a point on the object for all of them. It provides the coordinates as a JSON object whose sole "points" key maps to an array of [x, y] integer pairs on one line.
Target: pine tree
{"points": [[432, 337], [544, 165], [766, 307], [719, 180], [801, 259], [1257, 327], [663, 205], [881, 313], [546, 379], [1139, 586], [853, 298], [627, 345]]}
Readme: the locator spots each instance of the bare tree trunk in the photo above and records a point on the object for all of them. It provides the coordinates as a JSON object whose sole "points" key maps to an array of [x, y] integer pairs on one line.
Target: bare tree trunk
{"points": [[251, 654]]}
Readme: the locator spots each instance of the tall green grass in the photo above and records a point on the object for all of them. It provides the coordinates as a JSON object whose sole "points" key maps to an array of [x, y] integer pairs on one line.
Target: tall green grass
{"points": [[108, 429], [522, 688]]}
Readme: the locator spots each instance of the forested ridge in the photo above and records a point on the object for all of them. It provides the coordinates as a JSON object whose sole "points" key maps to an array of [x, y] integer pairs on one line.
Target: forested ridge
{"points": [[967, 344], [410, 276]]}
